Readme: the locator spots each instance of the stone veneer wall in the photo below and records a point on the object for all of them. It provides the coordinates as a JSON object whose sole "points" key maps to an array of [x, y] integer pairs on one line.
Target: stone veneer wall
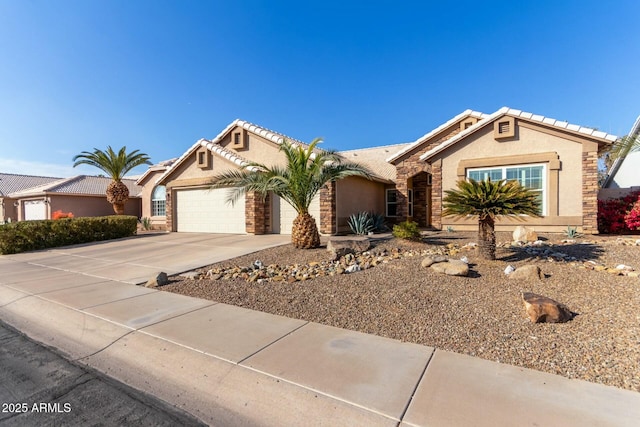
{"points": [[257, 213], [436, 195], [328, 209], [169, 210], [590, 192]]}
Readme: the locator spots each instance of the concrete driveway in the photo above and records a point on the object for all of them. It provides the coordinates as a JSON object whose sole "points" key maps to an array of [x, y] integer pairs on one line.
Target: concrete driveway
{"points": [[134, 260]]}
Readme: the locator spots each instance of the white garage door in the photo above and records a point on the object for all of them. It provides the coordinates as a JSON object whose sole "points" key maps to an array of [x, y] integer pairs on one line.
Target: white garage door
{"points": [[284, 214], [206, 211], [35, 209]]}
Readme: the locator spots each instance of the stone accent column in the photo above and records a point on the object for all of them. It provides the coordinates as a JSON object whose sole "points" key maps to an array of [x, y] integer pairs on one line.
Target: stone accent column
{"points": [[420, 199], [169, 209], [255, 213], [402, 178], [328, 214], [590, 192], [436, 194]]}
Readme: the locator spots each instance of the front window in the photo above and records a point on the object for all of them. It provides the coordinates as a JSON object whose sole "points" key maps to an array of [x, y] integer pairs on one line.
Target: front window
{"points": [[392, 202], [158, 201], [529, 176]]}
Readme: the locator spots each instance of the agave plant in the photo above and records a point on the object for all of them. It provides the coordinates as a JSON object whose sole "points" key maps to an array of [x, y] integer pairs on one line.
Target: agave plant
{"points": [[361, 223]]}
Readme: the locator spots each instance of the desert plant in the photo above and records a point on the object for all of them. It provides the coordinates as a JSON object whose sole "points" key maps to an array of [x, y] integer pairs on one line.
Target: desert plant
{"points": [[488, 200], [572, 232], [361, 223], [379, 225], [450, 229], [146, 223], [115, 166], [305, 172], [612, 213], [407, 230]]}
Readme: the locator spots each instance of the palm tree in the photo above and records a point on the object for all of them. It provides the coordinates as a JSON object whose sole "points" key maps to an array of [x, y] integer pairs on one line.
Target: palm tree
{"points": [[297, 182], [115, 166], [488, 200], [624, 146]]}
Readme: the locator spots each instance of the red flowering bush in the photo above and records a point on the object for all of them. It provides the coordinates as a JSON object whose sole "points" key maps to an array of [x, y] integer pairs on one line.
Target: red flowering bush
{"points": [[613, 213], [59, 214], [632, 219]]}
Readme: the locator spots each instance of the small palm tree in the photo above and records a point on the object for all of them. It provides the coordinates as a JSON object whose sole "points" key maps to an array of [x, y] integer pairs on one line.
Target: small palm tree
{"points": [[115, 166], [297, 182], [488, 200]]}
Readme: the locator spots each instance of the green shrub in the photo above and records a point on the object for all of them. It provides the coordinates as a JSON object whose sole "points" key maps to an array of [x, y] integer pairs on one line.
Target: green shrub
{"points": [[33, 235], [407, 230]]}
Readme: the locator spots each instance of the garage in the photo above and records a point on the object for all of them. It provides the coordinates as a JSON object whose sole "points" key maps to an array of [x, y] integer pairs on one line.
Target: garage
{"points": [[34, 210], [206, 211], [284, 214]]}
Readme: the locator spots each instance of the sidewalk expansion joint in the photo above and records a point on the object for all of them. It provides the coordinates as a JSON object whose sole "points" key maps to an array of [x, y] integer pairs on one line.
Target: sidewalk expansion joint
{"points": [[273, 342], [415, 389]]}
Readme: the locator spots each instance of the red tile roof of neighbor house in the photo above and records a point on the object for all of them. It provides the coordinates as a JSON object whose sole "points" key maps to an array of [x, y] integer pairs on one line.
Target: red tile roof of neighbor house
{"points": [[11, 183], [79, 185]]}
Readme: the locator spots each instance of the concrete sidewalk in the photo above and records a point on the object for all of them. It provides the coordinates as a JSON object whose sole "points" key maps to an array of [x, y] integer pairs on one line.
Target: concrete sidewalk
{"points": [[232, 366]]}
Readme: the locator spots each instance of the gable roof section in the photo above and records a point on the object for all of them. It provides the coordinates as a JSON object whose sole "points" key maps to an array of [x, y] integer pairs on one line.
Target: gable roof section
{"points": [[615, 167], [11, 183], [214, 144], [375, 159], [84, 185], [429, 135], [562, 125], [160, 166]]}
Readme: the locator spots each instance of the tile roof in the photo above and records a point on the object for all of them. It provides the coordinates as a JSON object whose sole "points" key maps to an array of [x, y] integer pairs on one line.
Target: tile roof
{"points": [[11, 183], [375, 159], [214, 144], [79, 185], [522, 115], [160, 166], [463, 115]]}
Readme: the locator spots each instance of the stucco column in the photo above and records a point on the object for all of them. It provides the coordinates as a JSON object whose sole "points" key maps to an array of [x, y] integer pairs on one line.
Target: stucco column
{"points": [[328, 214], [590, 192]]}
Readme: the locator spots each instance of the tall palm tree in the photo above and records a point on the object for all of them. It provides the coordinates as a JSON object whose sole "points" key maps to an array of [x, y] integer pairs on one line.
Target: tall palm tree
{"points": [[488, 200], [297, 182], [115, 165]]}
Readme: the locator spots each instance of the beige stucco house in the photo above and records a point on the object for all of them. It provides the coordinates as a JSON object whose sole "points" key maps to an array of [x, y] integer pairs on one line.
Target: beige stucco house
{"points": [[556, 159], [24, 197]]}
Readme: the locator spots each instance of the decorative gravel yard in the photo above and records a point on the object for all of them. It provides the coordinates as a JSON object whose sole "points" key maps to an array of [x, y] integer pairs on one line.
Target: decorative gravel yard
{"points": [[480, 315]]}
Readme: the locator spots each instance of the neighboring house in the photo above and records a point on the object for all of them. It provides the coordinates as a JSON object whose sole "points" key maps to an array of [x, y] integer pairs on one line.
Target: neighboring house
{"points": [[31, 197], [624, 176], [153, 197], [556, 159]]}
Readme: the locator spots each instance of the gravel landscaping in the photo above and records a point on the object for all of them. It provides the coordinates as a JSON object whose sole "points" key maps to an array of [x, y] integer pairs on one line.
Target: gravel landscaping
{"points": [[480, 315]]}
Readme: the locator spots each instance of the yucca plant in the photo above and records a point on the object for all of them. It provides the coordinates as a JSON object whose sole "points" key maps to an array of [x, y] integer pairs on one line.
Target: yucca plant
{"points": [[488, 200], [116, 166], [297, 182]]}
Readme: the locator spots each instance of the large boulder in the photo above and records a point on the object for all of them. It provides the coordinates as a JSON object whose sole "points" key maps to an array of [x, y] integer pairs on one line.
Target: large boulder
{"points": [[524, 234], [430, 260], [452, 267], [541, 309], [159, 279], [342, 247], [526, 272]]}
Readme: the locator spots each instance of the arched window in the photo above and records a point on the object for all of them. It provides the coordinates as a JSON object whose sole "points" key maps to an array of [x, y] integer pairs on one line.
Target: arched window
{"points": [[158, 201]]}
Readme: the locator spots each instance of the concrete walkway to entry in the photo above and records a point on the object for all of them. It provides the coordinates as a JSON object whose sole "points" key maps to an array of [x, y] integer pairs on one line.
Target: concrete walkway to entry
{"points": [[232, 366]]}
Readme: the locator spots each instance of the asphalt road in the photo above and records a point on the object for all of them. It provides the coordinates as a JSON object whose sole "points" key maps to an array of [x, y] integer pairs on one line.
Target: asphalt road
{"points": [[39, 387]]}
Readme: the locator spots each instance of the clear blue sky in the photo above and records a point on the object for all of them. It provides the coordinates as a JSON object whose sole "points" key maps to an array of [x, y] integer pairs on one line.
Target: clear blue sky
{"points": [[158, 75]]}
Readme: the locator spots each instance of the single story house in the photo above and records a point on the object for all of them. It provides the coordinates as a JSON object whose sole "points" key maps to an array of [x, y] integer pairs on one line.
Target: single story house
{"points": [[24, 197], [554, 158], [624, 177]]}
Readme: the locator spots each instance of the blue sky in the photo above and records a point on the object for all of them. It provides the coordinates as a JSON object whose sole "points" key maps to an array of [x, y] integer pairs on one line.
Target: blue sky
{"points": [[159, 75]]}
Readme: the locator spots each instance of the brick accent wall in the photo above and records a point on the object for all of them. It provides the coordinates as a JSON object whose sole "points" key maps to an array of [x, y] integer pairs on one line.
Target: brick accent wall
{"points": [[256, 214], [436, 195], [328, 220], [169, 209], [590, 192]]}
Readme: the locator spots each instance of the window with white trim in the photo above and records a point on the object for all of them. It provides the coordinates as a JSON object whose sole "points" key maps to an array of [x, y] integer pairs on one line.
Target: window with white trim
{"points": [[532, 177], [159, 201], [392, 202]]}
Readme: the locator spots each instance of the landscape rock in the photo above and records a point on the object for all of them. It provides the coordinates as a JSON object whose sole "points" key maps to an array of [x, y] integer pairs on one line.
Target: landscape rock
{"points": [[509, 269], [524, 234], [452, 267], [340, 248], [526, 272], [541, 309], [428, 261], [352, 268], [190, 275], [159, 279]]}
